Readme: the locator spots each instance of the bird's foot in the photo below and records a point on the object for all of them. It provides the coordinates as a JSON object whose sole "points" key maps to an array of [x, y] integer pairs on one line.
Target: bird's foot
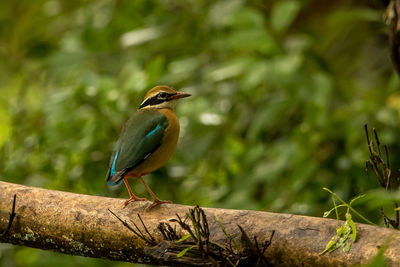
{"points": [[134, 198], [157, 202]]}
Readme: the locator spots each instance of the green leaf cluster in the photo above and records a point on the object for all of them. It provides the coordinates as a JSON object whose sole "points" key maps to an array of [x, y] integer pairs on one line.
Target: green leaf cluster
{"points": [[346, 233]]}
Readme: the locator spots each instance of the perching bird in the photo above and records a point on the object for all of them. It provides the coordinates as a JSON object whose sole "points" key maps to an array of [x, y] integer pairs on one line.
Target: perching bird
{"points": [[147, 140]]}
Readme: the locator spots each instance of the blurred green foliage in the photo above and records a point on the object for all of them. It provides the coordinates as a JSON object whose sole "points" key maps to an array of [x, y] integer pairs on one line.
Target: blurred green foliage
{"points": [[281, 91]]}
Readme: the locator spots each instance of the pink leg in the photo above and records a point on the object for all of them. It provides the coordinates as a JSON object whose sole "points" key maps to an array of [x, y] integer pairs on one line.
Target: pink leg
{"points": [[132, 196], [156, 200]]}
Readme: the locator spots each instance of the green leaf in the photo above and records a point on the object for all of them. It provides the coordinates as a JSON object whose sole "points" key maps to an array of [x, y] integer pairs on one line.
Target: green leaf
{"points": [[283, 14], [183, 252], [347, 247], [341, 230], [352, 225], [331, 246], [223, 228], [183, 238]]}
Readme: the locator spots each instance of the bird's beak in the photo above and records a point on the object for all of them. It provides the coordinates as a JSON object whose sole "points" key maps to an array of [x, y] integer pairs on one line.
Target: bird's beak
{"points": [[180, 95]]}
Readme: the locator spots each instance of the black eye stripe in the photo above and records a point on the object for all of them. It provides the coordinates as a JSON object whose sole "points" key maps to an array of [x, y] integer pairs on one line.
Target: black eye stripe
{"points": [[155, 100], [152, 101]]}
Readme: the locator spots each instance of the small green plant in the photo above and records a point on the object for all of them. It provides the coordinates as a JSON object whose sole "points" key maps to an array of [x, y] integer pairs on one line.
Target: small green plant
{"points": [[346, 234], [236, 253], [228, 235], [200, 233], [235, 249], [183, 252]]}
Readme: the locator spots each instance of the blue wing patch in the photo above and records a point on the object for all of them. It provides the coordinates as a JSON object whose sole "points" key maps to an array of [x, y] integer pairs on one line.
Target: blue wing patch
{"points": [[112, 172], [154, 131]]}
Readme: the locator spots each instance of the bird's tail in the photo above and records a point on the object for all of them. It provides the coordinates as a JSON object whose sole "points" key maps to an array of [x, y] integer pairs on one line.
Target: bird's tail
{"points": [[115, 179]]}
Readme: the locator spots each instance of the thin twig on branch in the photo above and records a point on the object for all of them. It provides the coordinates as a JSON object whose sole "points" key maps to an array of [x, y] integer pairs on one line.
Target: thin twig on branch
{"points": [[12, 216]]}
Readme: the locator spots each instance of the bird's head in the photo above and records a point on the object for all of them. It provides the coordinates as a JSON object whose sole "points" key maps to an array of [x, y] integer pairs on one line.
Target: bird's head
{"points": [[161, 96]]}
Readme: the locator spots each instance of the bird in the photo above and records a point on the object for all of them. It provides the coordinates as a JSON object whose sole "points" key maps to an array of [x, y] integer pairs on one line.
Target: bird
{"points": [[147, 140]]}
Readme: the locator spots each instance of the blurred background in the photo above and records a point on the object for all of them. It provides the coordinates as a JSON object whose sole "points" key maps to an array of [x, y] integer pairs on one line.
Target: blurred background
{"points": [[281, 92]]}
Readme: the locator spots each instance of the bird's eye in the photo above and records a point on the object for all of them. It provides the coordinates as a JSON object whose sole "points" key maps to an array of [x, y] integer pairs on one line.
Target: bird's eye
{"points": [[163, 95]]}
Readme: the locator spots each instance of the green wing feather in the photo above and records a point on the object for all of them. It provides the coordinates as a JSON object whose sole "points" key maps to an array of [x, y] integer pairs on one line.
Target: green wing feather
{"points": [[142, 135]]}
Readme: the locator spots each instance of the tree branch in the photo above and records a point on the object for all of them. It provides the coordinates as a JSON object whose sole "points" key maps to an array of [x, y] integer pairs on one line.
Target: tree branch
{"points": [[82, 225]]}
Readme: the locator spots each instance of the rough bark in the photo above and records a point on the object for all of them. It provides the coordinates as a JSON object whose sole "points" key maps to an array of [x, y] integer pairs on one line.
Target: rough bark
{"points": [[83, 225]]}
